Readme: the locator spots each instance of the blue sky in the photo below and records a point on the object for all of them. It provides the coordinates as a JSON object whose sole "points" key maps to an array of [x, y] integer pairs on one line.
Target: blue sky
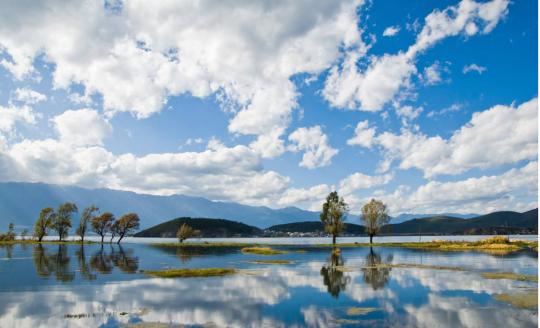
{"points": [[429, 105]]}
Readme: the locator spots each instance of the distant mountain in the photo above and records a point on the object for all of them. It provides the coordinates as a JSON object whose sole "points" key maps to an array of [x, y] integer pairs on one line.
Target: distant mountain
{"points": [[208, 228], [314, 227], [452, 225], [497, 222], [21, 203], [409, 216]]}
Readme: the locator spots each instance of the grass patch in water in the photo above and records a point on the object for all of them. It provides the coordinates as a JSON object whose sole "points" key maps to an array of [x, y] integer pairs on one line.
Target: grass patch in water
{"points": [[271, 262], [495, 244], [352, 311], [528, 300], [189, 273], [262, 251], [509, 275]]}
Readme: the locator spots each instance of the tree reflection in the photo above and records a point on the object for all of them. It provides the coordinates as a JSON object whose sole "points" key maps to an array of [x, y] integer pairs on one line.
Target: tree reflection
{"points": [[48, 263], [376, 272], [333, 276], [57, 263]]}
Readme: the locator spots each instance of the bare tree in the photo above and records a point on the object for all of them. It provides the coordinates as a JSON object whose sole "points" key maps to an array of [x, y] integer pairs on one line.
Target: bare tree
{"points": [[185, 232]]}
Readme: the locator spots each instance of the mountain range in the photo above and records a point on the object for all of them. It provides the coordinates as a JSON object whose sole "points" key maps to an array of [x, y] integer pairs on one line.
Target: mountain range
{"points": [[494, 223], [21, 203]]}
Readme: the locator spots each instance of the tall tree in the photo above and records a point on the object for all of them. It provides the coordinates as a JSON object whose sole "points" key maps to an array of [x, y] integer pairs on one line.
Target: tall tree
{"points": [[87, 215], [102, 224], [61, 222], [127, 224], [185, 232], [43, 223], [114, 230], [374, 215], [11, 232], [333, 213]]}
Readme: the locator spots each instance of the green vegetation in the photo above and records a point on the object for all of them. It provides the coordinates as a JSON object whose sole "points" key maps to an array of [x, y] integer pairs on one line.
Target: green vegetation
{"points": [[375, 216], [9, 236], [271, 262], [494, 244], [352, 311], [188, 273], [43, 223], [102, 224], [61, 221], [185, 232], [262, 251], [127, 224], [510, 276], [333, 212], [527, 300], [86, 217]]}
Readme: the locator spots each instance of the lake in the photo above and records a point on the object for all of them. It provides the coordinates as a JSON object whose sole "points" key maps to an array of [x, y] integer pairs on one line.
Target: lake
{"points": [[103, 286]]}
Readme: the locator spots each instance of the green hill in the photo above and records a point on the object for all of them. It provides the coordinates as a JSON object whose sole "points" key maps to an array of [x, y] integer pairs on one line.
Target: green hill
{"points": [[209, 228]]}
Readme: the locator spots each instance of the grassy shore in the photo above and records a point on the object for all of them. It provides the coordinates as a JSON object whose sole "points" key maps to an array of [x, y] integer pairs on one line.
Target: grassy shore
{"points": [[189, 273], [492, 244], [509, 276]]}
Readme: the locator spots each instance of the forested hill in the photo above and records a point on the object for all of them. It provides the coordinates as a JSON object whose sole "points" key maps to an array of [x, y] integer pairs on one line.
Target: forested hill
{"points": [[314, 226], [208, 228]]}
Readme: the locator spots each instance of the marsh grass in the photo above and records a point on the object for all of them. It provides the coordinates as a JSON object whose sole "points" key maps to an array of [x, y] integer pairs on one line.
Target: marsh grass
{"points": [[271, 262], [353, 311], [496, 245], [262, 251], [527, 300], [509, 276], [189, 273]]}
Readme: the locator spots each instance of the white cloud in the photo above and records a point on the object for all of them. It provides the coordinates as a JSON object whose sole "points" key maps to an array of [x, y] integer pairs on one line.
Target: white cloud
{"points": [[29, 96], [456, 107], [391, 31], [313, 195], [138, 56], [433, 74], [314, 143], [499, 135], [11, 115], [363, 135], [347, 87], [474, 68], [359, 180], [515, 189], [408, 113], [82, 127]]}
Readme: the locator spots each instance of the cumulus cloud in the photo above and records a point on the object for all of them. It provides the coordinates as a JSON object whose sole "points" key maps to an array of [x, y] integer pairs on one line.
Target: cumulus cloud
{"points": [[359, 180], [499, 135], [369, 90], [313, 195], [314, 143], [391, 31], [474, 68], [140, 53], [11, 115], [515, 189], [29, 96], [363, 135], [82, 127]]}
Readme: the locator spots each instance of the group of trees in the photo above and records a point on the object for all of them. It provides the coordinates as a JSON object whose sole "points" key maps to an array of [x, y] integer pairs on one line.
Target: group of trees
{"points": [[102, 224], [334, 210]]}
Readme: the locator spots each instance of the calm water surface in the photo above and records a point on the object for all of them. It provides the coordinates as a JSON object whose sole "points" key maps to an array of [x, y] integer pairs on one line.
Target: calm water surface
{"points": [[95, 286]]}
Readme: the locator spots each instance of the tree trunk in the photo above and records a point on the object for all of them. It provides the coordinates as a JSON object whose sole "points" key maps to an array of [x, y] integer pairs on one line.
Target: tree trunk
{"points": [[119, 239], [334, 240], [102, 237], [371, 239], [82, 239]]}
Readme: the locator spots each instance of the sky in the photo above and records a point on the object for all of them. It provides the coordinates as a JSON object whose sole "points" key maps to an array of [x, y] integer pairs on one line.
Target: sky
{"points": [[430, 106]]}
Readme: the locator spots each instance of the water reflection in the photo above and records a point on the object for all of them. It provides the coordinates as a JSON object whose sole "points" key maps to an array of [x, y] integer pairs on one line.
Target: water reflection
{"points": [[376, 273], [333, 277], [48, 262]]}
